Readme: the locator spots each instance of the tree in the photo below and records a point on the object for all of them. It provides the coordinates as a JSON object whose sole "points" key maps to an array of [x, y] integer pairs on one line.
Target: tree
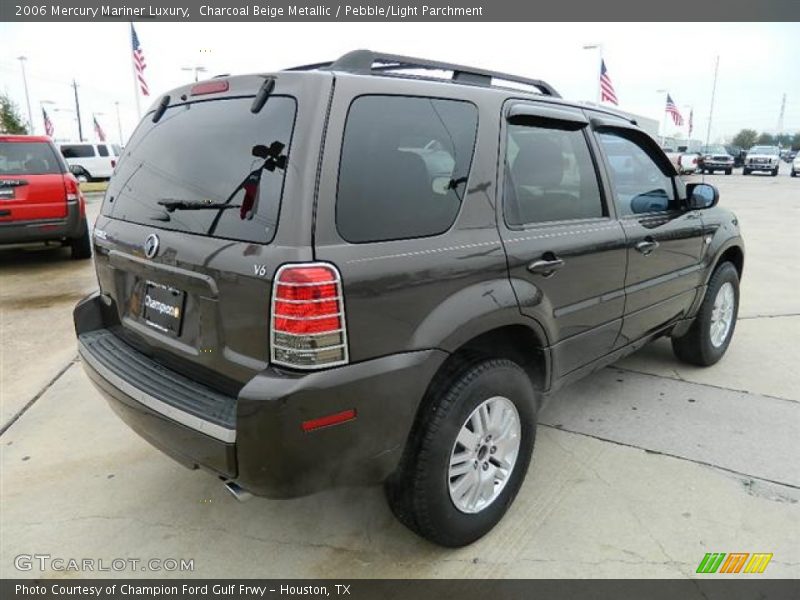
{"points": [[10, 119], [766, 139], [796, 141], [745, 138]]}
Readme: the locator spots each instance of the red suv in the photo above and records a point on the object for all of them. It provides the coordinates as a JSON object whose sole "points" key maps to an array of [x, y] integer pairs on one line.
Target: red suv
{"points": [[40, 200]]}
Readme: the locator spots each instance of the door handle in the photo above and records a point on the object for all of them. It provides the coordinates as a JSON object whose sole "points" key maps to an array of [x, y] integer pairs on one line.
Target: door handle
{"points": [[546, 267], [646, 246]]}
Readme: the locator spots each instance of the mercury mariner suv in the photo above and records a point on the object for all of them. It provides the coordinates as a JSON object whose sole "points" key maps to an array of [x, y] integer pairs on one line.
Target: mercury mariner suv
{"points": [[376, 269]]}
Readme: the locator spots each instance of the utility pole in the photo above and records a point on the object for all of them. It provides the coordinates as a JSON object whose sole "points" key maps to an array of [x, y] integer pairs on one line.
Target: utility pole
{"points": [[78, 110], [119, 123], [711, 109], [22, 60], [780, 116]]}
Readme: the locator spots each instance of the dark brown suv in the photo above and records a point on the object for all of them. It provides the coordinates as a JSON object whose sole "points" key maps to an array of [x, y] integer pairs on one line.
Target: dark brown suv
{"points": [[359, 272]]}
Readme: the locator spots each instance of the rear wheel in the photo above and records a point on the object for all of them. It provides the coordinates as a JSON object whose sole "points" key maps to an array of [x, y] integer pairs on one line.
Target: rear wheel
{"points": [[710, 334], [81, 247], [468, 454]]}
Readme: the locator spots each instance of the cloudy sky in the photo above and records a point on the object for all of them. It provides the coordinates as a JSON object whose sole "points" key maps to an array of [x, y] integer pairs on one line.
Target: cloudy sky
{"points": [[758, 62]]}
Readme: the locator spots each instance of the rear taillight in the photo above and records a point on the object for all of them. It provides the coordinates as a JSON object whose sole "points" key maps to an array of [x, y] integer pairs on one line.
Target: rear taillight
{"points": [[73, 190], [307, 320]]}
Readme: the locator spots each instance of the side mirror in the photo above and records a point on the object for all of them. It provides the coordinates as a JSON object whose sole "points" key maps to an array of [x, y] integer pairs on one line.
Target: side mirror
{"points": [[701, 195], [75, 170]]}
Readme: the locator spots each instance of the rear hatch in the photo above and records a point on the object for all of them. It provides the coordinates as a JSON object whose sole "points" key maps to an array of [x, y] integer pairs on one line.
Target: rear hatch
{"points": [[208, 200], [31, 181]]}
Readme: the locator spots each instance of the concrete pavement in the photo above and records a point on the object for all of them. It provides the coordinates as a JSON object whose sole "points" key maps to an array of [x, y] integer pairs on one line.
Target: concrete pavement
{"points": [[639, 470]]}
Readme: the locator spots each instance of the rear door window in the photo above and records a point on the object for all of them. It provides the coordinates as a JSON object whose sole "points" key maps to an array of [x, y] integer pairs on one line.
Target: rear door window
{"points": [[77, 151], [28, 158], [404, 166], [210, 168]]}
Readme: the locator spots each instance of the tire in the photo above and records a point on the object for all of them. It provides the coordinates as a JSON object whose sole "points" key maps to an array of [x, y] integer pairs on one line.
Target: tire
{"points": [[794, 173], [696, 346], [775, 172], [745, 172], [420, 493], [728, 171], [81, 247]]}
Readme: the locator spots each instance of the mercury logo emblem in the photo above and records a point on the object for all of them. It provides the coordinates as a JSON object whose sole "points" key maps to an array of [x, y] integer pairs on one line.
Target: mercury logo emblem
{"points": [[151, 245]]}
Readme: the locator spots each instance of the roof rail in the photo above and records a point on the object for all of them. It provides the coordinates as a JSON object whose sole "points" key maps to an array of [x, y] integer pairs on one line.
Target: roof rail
{"points": [[369, 62]]}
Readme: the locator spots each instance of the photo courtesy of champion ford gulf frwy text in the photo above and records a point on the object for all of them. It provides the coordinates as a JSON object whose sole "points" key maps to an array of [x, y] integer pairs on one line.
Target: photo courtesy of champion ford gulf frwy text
{"points": [[424, 300]]}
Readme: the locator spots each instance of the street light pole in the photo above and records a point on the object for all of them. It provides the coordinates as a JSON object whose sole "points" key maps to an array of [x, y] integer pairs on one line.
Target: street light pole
{"points": [[119, 123], [197, 69], [22, 60], [664, 118], [599, 48]]}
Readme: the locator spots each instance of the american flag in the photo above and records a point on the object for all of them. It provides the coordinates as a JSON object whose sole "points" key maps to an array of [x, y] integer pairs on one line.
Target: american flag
{"points": [[607, 93], [673, 111], [101, 135], [139, 65], [48, 124]]}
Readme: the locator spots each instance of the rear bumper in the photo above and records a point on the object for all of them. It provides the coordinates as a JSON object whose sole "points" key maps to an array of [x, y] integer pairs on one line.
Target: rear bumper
{"points": [[19, 232], [262, 446]]}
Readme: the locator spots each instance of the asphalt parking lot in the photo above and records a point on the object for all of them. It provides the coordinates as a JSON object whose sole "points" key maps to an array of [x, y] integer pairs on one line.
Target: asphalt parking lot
{"points": [[639, 470]]}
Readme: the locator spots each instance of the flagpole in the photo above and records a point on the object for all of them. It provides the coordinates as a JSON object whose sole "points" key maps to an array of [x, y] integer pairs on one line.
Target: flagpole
{"points": [[135, 77]]}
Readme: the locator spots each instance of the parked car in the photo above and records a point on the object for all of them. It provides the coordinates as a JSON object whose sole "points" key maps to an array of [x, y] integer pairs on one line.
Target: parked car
{"points": [[349, 273], [762, 158], [40, 200], [795, 165], [715, 158], [91, 161]]}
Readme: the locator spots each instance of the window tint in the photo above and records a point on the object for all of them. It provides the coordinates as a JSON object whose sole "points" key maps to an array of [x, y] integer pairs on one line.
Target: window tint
{"points": [[404, 167], [550, 176], [639, 184], [102, 150], [77, 151], [28, 158], [210, 168]]}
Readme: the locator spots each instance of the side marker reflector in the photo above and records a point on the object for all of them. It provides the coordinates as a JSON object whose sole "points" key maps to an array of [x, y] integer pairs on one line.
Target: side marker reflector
{"points": [[335, 419]]}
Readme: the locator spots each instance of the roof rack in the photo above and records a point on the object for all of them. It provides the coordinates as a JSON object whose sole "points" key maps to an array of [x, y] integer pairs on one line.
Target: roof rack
{"points": [[369, 62]]}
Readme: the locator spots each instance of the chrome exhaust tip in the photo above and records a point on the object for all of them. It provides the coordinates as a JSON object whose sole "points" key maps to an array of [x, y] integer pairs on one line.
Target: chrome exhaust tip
{"points": [[238, 491]]}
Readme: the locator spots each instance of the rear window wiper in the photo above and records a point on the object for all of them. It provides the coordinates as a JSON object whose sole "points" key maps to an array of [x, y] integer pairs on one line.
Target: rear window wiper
{"points": [[171, 204]]}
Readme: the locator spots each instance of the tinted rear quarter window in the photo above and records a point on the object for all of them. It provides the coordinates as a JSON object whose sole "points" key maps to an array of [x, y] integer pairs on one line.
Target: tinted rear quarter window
{"points": [[404, 166], [77, 151], [215, 153], [28, 158], [102, 150]]}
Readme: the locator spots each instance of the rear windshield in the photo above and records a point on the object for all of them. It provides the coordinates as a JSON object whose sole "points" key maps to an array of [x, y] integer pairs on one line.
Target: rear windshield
{"points": [[210, 168], [28, 158]]}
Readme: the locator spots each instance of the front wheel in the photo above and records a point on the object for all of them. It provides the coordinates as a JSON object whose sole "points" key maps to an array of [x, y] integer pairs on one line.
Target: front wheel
{"points": [[467, 455], [775, 172], [745, 172], [728, 171], [710, 335]]}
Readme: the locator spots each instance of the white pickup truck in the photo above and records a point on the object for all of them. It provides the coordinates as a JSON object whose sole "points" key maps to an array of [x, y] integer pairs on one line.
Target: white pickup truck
{"points": [[685, 163]]}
